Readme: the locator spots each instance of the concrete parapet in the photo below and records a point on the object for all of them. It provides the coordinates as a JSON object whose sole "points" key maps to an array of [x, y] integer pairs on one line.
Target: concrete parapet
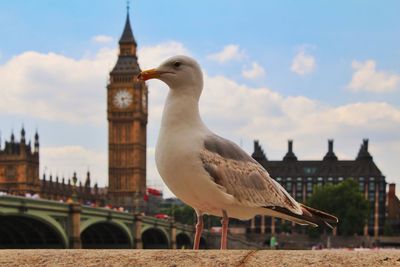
{"points": [[192, 258]]}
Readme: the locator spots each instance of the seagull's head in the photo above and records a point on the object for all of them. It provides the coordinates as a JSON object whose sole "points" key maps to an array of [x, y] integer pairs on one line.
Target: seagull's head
{"points": [[180, 73]]}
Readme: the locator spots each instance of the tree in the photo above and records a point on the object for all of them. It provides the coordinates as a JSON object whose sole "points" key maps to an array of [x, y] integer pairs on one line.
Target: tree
{"points": [[186, 215], [181, 213], [345, 201]]}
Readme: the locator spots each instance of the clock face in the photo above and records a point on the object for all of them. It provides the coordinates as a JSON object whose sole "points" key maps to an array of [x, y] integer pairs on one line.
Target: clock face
{"points": [[122, 99]]}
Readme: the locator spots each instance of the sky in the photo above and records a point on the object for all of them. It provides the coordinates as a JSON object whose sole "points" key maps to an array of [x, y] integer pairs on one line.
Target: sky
{"points": [[274, 70]]}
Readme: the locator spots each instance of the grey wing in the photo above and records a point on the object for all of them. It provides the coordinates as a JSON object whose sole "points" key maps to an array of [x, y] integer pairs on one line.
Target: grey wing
{"points": [[242, 177]]}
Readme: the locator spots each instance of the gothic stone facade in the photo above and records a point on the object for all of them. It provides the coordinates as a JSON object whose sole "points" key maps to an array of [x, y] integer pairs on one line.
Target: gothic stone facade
{"points": [[19, 165], [299, 177], [19, 175]]}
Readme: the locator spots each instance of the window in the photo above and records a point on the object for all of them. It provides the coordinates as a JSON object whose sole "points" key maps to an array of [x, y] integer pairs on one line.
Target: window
{"points": [[11, 172], [361, 186], [330, 180], [340, 179], [289, 186], [299, 186], [309, 186], [371, 186], [382, 187], [309, 178], [320, 181], [371, 197], [361, 179], [309, 170], [299, 179]]}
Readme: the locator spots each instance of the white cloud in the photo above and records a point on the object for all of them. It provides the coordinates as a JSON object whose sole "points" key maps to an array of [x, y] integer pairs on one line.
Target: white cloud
{"points": [[152, 56], [255, 71], [367, 78], [102, 39], [65, 160], [262, 113], [55, 87], [228, 53], [303, 63]]}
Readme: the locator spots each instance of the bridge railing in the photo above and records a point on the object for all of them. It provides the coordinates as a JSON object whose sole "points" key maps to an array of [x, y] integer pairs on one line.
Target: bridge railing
{"points": [[32, 203]]}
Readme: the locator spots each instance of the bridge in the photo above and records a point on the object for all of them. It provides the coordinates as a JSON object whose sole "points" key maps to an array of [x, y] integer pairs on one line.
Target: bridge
{"points": [[38, 223]]}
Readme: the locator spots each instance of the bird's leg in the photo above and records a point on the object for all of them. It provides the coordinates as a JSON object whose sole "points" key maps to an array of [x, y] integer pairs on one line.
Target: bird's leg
{"points": [[224, 233], [199, 230]]}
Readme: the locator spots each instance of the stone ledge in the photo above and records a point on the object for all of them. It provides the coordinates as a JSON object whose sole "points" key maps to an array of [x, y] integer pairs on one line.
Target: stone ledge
{"points": [[65, 257]]}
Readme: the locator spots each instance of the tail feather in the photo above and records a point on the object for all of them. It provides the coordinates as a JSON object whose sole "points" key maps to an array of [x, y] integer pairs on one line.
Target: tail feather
{"points": [[310, 216], [326, 217]]}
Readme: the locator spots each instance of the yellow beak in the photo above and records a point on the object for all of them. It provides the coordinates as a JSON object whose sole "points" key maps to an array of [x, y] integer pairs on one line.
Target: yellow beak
{"points": [[149, 74]]}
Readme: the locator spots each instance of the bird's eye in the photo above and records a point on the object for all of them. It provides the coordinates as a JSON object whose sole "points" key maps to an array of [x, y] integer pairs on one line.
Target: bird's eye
{"points": [[177, 64]]}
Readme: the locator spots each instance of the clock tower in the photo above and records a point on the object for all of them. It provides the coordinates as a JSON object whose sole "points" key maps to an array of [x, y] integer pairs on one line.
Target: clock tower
{"points": [[127, 120]]}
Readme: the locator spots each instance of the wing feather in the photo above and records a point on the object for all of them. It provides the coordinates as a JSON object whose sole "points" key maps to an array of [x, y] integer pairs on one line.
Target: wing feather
{"points": [[242, 177]]}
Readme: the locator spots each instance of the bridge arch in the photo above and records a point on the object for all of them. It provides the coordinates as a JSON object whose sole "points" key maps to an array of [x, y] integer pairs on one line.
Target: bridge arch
{"points": [[105, 234], [155, 238], [183, 240], [29, 231]]}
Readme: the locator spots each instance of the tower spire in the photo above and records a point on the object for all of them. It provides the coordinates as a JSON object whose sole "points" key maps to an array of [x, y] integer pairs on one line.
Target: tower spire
{"points": [[36, 144], [258, 153], [330, 155], [363, 153], [127, 59], [290, 154], [22, 134], [127, 35], [12, 136]]}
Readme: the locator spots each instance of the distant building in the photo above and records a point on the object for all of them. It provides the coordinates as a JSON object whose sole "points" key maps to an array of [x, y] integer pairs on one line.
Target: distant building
{"points": [[60, 189], [19, 165], [299, 177], [393, 210], [19, 175]]}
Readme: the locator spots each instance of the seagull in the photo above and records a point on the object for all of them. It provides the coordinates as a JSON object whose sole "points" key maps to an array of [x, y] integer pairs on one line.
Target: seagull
{"points": [[209, 173]]}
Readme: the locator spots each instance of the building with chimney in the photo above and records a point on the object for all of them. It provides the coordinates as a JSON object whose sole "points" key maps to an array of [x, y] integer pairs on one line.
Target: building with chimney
{"points": [[392, 211], [299, 177]]}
